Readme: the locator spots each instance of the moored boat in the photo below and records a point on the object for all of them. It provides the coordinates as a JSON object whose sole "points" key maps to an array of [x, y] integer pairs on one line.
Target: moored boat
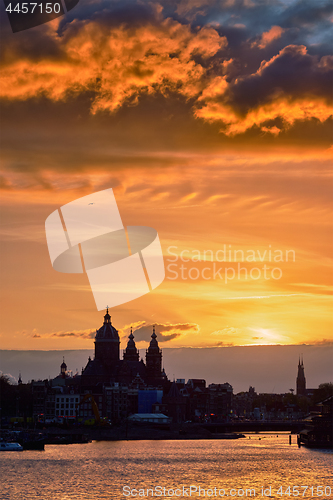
{"points": [[318, 431], [315, 438], [10, 446]]}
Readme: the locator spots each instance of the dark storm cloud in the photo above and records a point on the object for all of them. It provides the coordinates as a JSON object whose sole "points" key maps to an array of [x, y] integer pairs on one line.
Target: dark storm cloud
{"points": [[306, 13], [114, 13], [292, 72], [255, 15], [236, 19]]}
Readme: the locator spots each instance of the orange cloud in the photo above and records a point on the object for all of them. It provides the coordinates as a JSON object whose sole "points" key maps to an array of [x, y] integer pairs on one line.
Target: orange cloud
{"points": [[285, 108], [268, 37], [271, 130], [117, 64]]}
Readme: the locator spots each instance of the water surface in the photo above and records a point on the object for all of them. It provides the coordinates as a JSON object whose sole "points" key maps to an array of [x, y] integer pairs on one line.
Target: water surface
{"points": [[100, 470]]}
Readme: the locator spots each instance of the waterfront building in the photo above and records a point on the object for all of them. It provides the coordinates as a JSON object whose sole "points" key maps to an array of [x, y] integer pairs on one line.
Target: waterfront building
{"points": [[65, 404], [175, 404], [220, 400]]}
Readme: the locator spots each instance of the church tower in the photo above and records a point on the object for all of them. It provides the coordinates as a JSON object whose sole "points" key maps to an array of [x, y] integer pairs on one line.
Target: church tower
{"points": [[131, 352], [63, 368], [154, 361], [300, 380], [107, 342]]}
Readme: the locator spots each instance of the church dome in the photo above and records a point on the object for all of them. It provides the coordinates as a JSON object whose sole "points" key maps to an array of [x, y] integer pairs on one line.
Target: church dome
{"points": [[63, 368], [107, 330]]}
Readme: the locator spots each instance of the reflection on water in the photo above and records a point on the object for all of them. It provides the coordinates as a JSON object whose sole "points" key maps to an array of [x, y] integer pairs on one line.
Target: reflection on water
{"points": [[100, 470]]}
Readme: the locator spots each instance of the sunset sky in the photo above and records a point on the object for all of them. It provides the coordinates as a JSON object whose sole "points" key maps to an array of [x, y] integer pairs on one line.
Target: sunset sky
{"points": [[212, 122]]}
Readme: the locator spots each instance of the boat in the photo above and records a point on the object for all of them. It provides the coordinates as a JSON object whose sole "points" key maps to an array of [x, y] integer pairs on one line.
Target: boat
{"points": [[318, 431], [10, 447], [315, 438]]}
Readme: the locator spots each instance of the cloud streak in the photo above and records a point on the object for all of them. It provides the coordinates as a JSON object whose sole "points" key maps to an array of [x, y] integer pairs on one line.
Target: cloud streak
{"points": [[79, 334], [165, 332]]}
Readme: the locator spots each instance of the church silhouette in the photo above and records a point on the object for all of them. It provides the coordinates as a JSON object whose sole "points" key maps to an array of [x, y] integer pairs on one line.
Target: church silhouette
{"points": [[108, 368]]}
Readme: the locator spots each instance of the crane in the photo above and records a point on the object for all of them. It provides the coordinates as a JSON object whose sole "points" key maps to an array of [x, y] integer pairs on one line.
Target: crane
{"points": [[94, 406]]}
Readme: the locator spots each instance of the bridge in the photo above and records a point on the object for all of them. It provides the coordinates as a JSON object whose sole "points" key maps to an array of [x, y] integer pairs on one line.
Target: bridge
{"points": [[254, 426]]}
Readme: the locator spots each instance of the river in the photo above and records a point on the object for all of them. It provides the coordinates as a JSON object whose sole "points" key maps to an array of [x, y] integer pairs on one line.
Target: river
{"points": [[263, 466]]}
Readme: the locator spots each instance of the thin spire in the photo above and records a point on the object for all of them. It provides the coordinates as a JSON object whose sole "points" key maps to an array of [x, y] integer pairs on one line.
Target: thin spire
{"points": [[107, 317], [131, 336]]}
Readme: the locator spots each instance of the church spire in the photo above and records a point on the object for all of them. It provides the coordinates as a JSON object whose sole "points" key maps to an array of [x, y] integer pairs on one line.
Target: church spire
{"points": [[131, 353], [107, 317], [154, 361], [153, 346], [300, 380]]}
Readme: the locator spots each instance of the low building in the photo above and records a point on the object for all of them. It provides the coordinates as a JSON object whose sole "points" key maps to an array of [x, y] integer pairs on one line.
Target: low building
{"points": [[156, 418]]}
